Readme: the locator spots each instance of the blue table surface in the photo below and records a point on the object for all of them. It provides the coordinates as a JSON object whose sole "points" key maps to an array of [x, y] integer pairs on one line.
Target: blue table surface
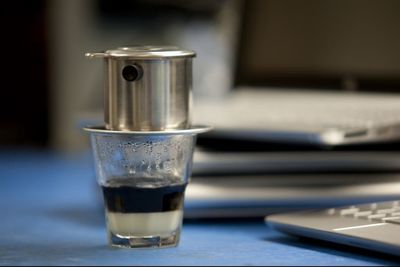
{"points": [[50, 215]]}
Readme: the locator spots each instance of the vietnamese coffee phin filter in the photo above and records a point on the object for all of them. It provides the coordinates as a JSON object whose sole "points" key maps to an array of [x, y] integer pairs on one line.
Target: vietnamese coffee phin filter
{"points": [[143, 153], [147, 88]]}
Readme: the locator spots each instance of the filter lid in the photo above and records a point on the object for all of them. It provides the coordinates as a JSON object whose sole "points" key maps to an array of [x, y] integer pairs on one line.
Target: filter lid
{"points": [[144, 52]]}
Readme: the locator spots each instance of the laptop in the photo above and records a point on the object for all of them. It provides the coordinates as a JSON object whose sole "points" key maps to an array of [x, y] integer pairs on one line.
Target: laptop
{"points": [[243, 185], [373, 226], [324, 118]]}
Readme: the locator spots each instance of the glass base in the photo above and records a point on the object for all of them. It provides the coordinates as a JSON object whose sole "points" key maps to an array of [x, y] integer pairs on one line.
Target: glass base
{"points": [[116, 240]]}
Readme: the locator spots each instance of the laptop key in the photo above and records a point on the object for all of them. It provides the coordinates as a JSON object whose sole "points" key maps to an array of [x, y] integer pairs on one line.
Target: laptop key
{"points": [[390, 219], [395, 221], [367, 207], [376, 217], [362, 214], [385, 211], [348, 212]]}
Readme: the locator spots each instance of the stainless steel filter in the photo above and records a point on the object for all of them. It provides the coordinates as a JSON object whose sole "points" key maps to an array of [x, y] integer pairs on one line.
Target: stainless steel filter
{"points": [[147, 88]]}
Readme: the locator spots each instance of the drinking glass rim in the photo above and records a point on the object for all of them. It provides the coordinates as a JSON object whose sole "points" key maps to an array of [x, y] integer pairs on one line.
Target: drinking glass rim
{"points": [[196, 129]]}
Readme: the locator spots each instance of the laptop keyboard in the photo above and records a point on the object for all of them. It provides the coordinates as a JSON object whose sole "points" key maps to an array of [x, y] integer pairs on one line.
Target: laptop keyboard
{"points": [[388, 212]]}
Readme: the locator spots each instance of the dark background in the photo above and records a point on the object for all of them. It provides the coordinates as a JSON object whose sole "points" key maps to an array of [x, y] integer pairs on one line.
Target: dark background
{"points": [[24, 112]]}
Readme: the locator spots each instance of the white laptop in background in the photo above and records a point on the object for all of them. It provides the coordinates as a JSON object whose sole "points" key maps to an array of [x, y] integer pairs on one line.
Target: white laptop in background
{"points": [[299, 116], [229, 184], [260, 183]]}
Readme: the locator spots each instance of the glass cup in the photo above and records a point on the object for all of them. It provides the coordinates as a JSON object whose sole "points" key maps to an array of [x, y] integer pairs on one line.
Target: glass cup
{"points": [[143, 177]]}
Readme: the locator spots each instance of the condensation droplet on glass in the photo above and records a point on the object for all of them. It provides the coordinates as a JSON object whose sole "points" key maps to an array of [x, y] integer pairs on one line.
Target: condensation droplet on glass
{"points": [[132, 170]]}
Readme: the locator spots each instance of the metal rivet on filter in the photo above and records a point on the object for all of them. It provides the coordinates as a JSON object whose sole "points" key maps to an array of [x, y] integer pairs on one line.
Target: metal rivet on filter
{"points": [[132, 73]]}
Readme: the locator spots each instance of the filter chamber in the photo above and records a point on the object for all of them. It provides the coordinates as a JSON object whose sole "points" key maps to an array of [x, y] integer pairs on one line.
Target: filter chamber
{"points": [[147, 88]]}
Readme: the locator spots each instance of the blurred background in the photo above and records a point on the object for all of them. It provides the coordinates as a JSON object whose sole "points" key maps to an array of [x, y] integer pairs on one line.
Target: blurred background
{"points": [[49, 87]]}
